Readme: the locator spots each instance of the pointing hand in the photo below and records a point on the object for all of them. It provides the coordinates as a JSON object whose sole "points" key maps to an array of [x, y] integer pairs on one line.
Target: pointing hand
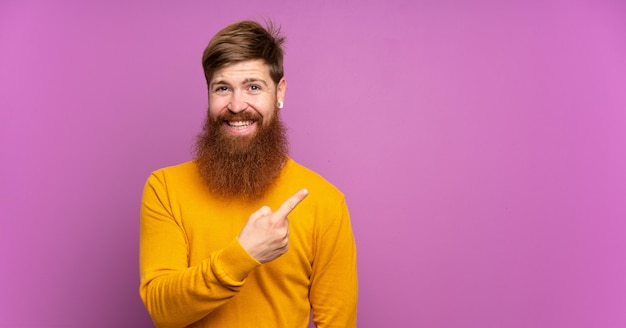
{"points": [[266, 234]]}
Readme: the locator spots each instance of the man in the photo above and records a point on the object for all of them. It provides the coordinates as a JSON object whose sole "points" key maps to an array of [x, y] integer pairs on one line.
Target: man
{"points": [[243, 236]]}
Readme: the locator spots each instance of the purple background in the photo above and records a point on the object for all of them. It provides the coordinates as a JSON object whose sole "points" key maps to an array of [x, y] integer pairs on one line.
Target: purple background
{"points": [[481, 146]]}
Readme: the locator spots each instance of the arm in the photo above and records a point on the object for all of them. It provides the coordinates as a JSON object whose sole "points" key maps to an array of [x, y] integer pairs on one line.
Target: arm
{"points": [[175, 294], [334, 288]]}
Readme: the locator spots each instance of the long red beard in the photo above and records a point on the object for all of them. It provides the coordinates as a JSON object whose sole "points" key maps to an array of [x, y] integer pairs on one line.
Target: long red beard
{"points": [[236, 166]]}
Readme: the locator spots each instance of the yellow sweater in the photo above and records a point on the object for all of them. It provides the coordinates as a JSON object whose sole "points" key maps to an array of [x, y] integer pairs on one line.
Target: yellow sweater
{"points": [[195, 273]]}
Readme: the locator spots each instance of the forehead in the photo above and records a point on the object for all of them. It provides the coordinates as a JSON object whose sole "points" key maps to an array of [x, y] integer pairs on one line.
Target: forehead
{"points": [[242, 71]]}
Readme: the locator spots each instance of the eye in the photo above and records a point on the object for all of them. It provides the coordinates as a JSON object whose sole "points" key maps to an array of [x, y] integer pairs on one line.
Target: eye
{"points": [[221, 89], [254, 87]]}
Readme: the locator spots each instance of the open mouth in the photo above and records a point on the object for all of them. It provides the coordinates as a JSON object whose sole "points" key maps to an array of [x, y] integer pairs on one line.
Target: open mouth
{"points": [[240, 125]]}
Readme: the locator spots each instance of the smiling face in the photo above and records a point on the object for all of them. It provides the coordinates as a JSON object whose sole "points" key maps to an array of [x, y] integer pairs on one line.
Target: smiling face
{"points": [[243, 98], [243, 146]]}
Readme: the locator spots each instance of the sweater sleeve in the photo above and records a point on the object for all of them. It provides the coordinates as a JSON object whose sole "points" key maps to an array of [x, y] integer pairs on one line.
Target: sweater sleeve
{"points": [[334, 285], [174, 293]]}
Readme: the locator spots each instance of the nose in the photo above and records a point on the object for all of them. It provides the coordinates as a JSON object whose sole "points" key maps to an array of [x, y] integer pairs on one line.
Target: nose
{"points": [[238, 102]]}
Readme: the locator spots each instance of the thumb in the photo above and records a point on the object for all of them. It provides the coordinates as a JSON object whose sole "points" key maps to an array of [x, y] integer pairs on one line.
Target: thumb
{"points": [[261, 212]]}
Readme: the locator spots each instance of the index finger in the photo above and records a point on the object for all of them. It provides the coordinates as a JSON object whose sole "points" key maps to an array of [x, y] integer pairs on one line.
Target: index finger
{"points": [[291, 203]]}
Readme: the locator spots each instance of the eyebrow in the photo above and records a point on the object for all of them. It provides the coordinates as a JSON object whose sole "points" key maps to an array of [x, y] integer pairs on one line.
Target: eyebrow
{"points": [[252, 79], [245, 81]]}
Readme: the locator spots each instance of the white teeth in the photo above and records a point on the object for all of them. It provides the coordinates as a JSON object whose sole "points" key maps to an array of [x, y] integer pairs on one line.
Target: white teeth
{"points": [[239, 124]]}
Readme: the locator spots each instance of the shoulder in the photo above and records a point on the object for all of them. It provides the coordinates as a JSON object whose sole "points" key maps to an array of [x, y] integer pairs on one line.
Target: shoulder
{"points": [[303, 177], [182, 169], [324, 208], [177, 184], [181, 174]]}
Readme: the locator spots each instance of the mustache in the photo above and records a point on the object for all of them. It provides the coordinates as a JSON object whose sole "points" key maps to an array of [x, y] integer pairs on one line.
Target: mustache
{"points": [[241, 116]]}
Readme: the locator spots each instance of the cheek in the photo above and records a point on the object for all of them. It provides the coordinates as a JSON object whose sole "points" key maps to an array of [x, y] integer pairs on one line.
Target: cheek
{"points": [[269, 115], [266, 107], [216, 107]]}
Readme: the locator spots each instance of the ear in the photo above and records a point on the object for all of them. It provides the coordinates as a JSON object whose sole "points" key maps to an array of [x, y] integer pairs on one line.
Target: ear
{"points": [[281, 89]]}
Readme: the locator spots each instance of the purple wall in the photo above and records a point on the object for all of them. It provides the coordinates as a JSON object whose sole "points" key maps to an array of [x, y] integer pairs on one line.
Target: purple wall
{"points": [[482, 149]]}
